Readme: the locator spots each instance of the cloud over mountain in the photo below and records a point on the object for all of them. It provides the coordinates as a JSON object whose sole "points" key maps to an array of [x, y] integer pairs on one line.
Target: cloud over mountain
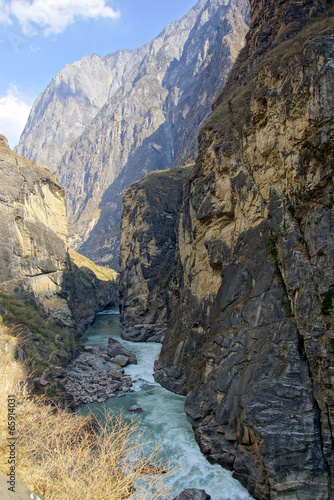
{"points": [[53, 16], [14, 111]]}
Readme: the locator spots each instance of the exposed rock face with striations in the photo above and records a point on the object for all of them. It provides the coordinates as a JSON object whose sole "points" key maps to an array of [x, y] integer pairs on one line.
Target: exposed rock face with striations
{"points": [[35, 263], [115, 118], [148, 253], [33, 232], [251, 342]]}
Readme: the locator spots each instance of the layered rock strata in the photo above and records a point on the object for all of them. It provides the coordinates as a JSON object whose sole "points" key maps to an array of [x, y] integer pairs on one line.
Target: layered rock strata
{"points": [[148, 253], [251, 341], [104, 122]]}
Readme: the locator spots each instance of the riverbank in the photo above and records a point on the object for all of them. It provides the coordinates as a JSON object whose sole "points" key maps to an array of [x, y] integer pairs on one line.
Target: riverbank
{"points": [[61, 455]]}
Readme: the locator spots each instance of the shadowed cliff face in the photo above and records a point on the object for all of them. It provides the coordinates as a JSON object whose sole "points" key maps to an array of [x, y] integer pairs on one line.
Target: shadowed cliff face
{"points": [[148, 257], [88, 288], [251, 340]]}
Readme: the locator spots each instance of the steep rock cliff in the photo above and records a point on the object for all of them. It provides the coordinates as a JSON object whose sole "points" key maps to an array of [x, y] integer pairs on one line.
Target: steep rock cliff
{"points": [[89, 288], [148, 253], [35, 264], [104, 122], [33, 232], [251, 341]]}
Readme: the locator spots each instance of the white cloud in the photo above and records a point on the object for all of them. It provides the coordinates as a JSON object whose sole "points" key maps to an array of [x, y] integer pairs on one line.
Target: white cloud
{"points": [[53, 16], [14, 111], [4, 12]]}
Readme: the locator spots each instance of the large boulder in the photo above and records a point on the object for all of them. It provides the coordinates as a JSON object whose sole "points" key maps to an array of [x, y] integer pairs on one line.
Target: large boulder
{"points": [[115, 348], [20, 492], [192, 494]]}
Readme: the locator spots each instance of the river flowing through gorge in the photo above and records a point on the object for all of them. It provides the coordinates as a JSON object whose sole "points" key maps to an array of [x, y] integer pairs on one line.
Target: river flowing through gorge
{"points": [[163, 418]]}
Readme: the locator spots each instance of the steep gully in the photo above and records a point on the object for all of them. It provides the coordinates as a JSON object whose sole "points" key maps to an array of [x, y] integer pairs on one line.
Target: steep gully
{"points": [[163, 417]]}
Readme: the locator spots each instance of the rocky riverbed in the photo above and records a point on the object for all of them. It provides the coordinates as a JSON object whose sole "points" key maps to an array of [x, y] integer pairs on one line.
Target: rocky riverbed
{"points": [[97, 373]]}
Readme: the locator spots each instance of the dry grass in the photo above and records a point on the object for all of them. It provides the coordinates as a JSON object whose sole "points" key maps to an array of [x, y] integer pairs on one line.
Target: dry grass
{"points": [[67, 456]]}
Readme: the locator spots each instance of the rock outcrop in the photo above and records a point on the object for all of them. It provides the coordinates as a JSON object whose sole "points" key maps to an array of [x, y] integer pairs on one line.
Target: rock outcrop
{"points": [[148, 253], [119, 354], [89, 288], [21, 491], [104, 122], [193, 494], [251, 341]]}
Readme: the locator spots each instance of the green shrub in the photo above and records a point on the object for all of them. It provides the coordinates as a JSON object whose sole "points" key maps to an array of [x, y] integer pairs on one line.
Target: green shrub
{"points": [[272, 249], [327, 302]]}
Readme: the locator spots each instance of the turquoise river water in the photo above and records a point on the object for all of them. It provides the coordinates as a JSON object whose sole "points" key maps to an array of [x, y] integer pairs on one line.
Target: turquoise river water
{"points": [[163, 417]]}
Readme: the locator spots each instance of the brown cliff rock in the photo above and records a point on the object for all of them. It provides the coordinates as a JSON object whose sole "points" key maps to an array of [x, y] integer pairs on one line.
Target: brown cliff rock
{"points": [[33, 228], [35, 262]]}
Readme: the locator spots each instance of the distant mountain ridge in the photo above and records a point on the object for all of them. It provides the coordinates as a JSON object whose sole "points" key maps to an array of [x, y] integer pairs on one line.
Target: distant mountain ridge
{"points": [[104, 122]]}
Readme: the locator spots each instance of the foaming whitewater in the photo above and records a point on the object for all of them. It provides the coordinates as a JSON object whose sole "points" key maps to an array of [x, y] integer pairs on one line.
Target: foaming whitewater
{"points": [[163, 418]]}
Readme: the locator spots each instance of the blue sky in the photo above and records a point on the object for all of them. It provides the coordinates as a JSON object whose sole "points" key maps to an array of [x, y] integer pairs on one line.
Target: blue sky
{"points": [[38, 37]]}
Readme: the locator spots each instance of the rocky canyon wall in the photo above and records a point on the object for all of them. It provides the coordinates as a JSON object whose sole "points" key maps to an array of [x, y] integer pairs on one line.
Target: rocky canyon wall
{"points": [[33, 234], [148, 258], [251, 338], [35, 262], [105, 122]]}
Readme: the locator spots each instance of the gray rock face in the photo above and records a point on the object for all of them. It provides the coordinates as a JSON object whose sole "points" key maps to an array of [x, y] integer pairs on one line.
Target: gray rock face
{"points": [[20, 492], [115, 118], [88, 289], [148, 253], [116, 351], [193, 494]]}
